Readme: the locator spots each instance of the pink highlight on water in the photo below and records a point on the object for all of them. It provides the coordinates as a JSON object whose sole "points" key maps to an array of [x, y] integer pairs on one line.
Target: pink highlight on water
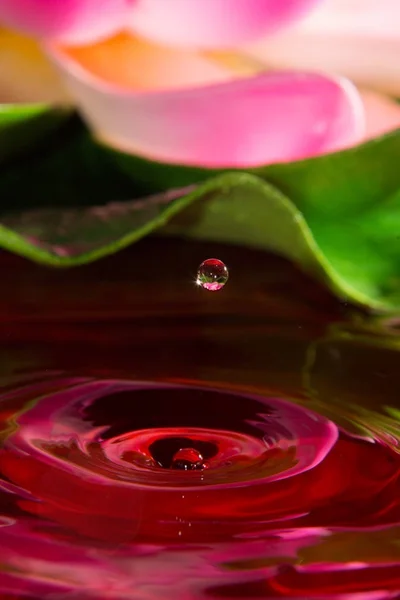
{"points": [[212, 287]]}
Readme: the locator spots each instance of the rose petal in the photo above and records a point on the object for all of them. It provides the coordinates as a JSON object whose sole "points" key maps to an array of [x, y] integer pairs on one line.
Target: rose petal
{"points": [[213, 23], [262, 119], [72, 21], [359, 39]]}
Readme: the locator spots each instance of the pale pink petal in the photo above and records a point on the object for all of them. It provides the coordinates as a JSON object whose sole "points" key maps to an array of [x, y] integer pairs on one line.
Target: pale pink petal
{"points": [[72, 21], [359, 39], [213, 23], [382, 114], [251, 121]]}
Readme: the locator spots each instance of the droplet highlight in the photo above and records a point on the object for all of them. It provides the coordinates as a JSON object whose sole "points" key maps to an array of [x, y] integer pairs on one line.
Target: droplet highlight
{"points": [[212, 275], [188, 459]]}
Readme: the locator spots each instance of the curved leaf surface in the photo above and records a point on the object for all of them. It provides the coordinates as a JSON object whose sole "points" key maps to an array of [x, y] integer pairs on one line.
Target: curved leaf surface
{"points": [[337, 216]]}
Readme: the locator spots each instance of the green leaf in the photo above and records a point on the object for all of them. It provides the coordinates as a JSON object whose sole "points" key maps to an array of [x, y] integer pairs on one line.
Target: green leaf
{"points": [[337, 216], [23, 127]]}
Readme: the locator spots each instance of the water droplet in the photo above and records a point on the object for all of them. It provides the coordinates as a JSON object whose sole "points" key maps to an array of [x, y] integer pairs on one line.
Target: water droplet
{"points": [[212, 274], [188, 459]]}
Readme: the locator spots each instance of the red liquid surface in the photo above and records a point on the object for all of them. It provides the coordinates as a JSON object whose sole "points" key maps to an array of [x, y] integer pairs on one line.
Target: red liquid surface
{"points": [[159, 444]]}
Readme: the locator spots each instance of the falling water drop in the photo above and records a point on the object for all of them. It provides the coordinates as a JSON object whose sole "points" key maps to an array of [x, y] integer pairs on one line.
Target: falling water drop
{"points": [[188, 459], [212, 274]]}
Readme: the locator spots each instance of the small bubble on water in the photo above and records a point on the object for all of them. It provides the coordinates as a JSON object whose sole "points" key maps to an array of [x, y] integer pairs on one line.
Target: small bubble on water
{"points": [[188, 459], [212, 274]]}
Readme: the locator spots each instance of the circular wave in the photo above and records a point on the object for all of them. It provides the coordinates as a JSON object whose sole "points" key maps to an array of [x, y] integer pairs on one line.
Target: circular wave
{"points": [[105, 459]]}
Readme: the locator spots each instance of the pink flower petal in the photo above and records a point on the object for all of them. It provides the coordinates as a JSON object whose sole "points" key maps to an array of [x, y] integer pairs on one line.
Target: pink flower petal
{"points": [[213, 23], [382, 114], [72, 21], [251, 121], [359, 39]]}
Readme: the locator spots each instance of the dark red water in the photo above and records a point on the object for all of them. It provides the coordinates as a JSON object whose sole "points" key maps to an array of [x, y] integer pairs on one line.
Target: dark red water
{"points": [[158, 441]]}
